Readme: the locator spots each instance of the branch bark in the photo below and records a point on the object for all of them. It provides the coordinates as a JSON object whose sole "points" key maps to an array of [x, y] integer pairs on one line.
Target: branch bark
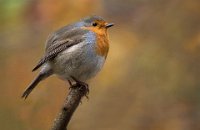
{"points": [[70, 104]]}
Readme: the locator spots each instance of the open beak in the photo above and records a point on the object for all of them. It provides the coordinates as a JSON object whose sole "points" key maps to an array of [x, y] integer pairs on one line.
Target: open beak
{"points": [[108, 25]]}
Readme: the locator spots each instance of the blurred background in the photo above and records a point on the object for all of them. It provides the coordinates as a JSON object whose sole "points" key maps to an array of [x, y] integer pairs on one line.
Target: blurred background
{"points": [[149, 82]]}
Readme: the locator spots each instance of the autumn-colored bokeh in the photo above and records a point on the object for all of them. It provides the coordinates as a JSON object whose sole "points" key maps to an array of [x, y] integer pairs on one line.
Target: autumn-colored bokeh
{"points": [[151, 79]]}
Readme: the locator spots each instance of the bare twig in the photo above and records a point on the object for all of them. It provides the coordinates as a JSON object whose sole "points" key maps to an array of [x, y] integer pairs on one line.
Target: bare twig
{"points": [[71, 103]]}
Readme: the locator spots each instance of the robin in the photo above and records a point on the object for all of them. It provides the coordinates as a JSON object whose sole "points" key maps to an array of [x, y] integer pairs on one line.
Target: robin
{"points": [[75, 52]]}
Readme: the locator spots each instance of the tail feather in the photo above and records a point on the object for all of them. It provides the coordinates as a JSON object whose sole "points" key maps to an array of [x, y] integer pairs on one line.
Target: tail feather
{"points": [[34, 83]]}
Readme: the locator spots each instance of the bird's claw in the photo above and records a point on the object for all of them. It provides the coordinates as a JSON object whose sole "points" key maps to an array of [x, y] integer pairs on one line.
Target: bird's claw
{"points": [[83, 87]]}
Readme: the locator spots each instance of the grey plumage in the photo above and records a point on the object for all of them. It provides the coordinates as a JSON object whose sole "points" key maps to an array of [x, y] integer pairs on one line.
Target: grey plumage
{"points": [[55, 50]]}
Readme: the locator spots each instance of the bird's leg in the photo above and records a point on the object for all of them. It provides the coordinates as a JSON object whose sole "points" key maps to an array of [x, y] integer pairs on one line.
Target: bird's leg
{"points": [[70, 83], [80, 83], [83, 86]]}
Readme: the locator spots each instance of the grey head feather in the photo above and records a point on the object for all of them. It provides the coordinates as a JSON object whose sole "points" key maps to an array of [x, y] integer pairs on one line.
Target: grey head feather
{"points": [[92, 18]]}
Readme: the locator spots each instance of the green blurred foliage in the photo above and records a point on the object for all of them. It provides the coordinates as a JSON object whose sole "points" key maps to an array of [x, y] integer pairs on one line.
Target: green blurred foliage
{"points": [[149, 82]]}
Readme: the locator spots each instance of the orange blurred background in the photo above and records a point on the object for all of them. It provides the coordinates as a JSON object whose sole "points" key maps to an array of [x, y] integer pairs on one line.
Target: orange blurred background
{"points": [[149, 82]]}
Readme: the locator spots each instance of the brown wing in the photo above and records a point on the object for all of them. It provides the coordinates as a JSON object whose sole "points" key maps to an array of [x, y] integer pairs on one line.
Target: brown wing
{"points": [[67, 32], [56, 48], [59, 41]]}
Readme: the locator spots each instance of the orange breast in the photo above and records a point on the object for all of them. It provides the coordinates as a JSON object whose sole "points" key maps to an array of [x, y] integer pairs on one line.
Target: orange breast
{"points": [[102, 46]]}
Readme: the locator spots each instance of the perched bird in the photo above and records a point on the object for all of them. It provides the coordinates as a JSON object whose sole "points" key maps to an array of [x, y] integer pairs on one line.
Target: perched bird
{"points": [[75, 52]]}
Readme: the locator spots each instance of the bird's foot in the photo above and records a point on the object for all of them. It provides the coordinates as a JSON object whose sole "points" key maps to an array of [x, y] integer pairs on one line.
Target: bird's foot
{"points": [[82, 86]]}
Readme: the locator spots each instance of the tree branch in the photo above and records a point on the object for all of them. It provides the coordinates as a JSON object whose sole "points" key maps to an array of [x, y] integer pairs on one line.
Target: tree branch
{"points": [[70, 104]]}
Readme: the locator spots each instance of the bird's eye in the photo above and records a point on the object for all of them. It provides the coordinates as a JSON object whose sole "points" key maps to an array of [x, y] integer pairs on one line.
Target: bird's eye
{"points": [[94, 24]]}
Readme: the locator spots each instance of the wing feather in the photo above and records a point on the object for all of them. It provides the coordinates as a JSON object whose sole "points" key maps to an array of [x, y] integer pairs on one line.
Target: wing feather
{"points": [[55, 49]]}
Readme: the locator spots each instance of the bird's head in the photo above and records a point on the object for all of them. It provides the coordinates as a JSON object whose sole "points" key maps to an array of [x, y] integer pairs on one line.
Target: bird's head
{"points": [[96, 24]]}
